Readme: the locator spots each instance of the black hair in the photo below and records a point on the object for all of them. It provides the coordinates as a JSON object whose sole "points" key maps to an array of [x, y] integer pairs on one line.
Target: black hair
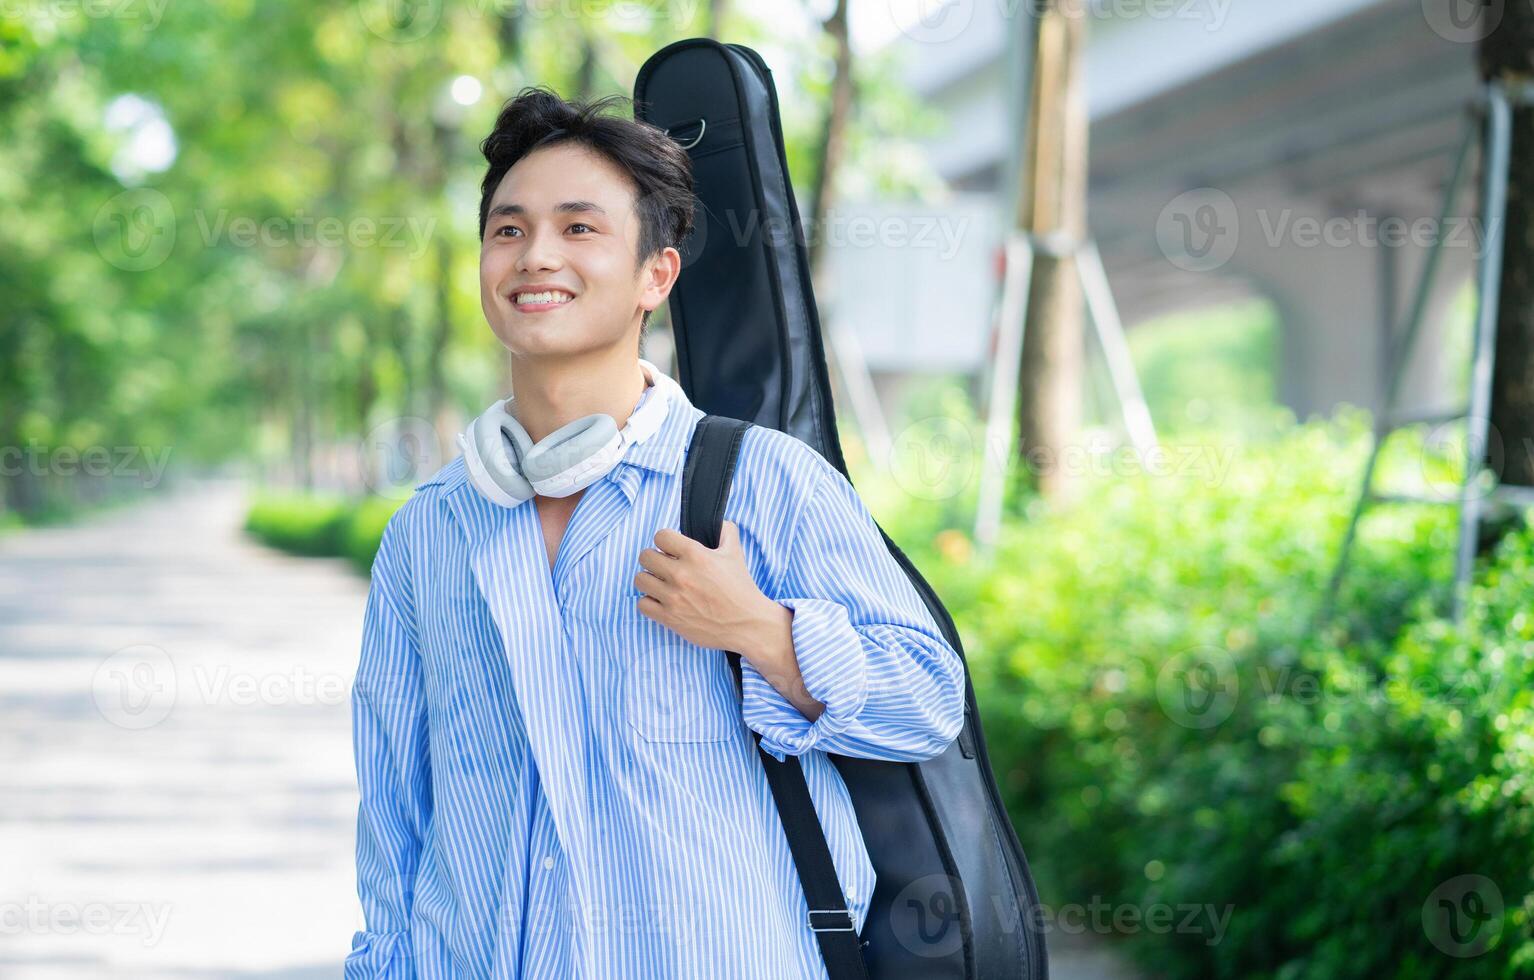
{"points": [[659, 168]]}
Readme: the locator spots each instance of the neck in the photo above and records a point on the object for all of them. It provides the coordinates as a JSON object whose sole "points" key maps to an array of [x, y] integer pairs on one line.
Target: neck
{"points": [[549, 395]]}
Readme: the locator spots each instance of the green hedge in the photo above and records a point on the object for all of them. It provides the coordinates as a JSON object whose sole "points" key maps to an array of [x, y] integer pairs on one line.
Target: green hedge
{"points": [[1172, 733], [321, 526]]}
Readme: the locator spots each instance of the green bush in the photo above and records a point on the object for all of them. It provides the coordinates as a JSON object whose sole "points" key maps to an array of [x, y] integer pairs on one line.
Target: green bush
{"points": [[365, 529], [1170, 727], [304, 524], [318, 525]]}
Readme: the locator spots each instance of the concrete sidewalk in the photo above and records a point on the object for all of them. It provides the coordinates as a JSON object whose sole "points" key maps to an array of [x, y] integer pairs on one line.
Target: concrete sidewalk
{"points": [[177, 797]]}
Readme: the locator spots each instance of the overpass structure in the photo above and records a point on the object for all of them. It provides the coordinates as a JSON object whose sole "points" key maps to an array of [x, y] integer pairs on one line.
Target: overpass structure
{"points": [[1295, 151]]}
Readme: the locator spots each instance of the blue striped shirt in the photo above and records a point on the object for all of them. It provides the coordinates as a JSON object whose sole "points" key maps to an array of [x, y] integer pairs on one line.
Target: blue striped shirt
{"points": [[555, 785]]}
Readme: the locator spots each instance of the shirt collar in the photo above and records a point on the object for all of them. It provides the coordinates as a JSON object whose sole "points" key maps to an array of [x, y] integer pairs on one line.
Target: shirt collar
{"points": [[663, 451]]}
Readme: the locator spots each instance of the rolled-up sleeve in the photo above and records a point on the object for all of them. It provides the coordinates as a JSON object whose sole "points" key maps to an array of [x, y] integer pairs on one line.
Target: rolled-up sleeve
{"points": [[389, 740], [867, 645]]}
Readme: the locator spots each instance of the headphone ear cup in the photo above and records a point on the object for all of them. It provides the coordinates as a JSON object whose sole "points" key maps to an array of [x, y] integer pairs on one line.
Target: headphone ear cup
{"points": [[492, 455], [514, 439], [569, 446]]}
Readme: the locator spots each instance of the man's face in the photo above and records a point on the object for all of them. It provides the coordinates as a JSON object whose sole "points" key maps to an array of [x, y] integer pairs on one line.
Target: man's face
{"points": [[590, 253]]}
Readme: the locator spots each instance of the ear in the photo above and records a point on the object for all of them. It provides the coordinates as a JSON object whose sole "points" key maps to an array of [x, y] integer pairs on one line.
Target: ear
{"points": [[662, 274]]}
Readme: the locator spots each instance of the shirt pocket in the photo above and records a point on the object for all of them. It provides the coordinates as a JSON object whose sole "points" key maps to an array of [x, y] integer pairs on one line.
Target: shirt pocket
{"points": [[673, 690]]}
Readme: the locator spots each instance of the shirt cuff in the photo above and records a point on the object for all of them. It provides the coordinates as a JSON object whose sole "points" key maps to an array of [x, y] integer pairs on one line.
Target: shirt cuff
{"points": [[834, 667], [379, 954]]}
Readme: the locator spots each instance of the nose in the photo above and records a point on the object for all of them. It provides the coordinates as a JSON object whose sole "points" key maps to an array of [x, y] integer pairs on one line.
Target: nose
{"points": [[538, 252]]}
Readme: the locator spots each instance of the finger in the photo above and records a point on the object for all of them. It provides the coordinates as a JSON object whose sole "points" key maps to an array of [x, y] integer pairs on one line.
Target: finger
{"points": [[673, 542], [650, 585], [656, 562]]}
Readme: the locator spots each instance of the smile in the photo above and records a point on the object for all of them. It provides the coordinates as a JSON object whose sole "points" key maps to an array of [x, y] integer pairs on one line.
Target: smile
{"points": [[538, 302]]}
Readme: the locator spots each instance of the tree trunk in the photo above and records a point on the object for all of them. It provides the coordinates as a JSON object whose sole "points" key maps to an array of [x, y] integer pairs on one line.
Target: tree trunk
{"points": [[1052, 205], [834, 139], [1508, 54], [716, 12], [436, 378]]}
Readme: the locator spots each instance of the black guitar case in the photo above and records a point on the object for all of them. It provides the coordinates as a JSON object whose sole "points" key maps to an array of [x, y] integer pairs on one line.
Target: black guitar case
{"points": [[954, 896]]}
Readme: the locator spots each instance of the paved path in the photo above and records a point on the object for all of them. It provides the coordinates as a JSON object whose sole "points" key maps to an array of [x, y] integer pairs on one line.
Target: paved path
{"points": [[177, 798]]}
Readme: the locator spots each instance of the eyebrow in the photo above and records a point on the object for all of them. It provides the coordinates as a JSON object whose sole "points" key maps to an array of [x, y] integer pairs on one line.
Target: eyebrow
{"points": [[564, 207]]}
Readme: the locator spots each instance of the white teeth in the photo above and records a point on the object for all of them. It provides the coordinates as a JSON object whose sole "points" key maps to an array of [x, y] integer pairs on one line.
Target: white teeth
{"points": [[548, 297]]}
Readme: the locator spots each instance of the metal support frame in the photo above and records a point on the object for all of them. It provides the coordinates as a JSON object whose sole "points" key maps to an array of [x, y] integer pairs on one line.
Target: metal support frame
{"points": [[1104, 314], [1000, 388], [1494, 127], [996, 450], [1010, 331]]}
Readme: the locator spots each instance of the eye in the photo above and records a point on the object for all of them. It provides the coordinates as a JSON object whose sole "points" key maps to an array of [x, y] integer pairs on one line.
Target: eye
{"points": [[505, 228]]}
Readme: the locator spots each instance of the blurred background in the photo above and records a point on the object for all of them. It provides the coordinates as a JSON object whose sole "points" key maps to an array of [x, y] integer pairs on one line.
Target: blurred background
{"points": [[1187, 347]]}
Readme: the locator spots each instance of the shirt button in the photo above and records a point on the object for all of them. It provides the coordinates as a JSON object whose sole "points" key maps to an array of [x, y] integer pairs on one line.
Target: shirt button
{"points": [[548, 864]]}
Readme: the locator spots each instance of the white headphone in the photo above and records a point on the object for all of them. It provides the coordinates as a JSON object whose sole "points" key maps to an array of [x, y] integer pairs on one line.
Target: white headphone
{"points": [[506, 467]]}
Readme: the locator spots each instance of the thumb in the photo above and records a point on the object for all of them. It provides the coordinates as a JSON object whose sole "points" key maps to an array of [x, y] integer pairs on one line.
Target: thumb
{"points": [[729, 535]]}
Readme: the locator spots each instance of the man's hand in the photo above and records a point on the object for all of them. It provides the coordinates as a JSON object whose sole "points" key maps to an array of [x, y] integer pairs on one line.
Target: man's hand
{"points": [[707, 596]]}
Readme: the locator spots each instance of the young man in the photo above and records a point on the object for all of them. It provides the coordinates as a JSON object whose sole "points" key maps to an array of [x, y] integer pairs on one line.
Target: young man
{"points": [[556, 774]]}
